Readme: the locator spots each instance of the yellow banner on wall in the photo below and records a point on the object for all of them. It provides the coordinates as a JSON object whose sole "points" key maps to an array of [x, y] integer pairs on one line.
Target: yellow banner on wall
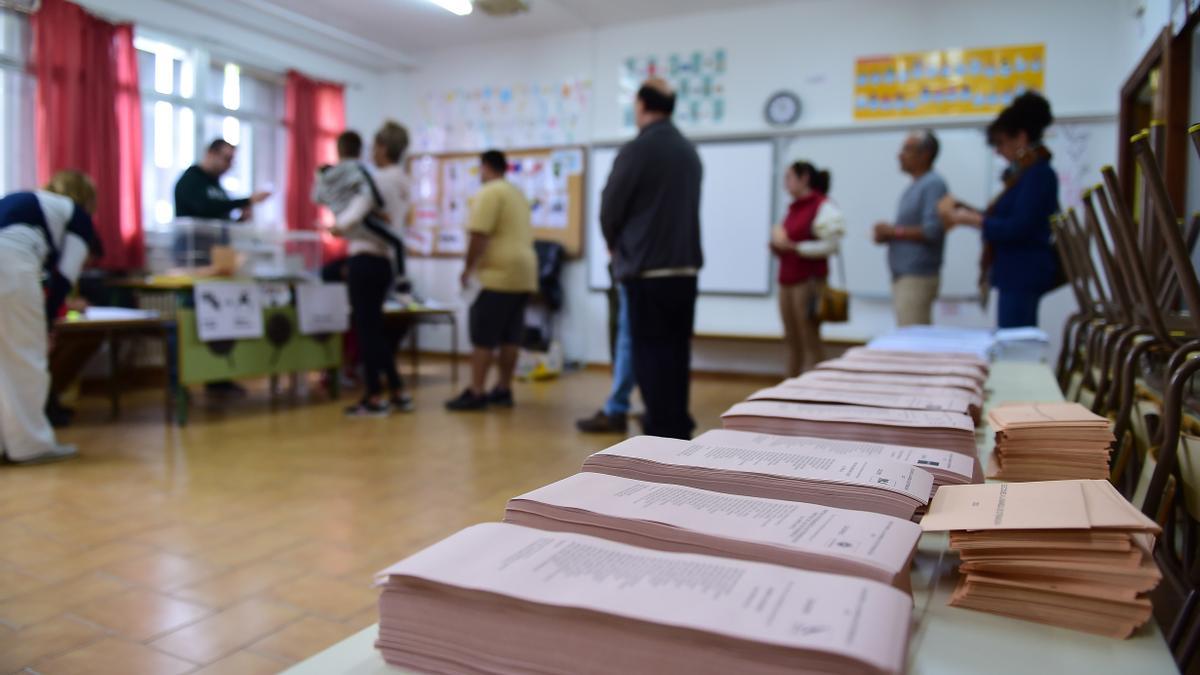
{"points": [[946, 81]]}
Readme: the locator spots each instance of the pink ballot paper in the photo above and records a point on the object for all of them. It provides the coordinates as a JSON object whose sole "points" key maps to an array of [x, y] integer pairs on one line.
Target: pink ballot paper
{"points": [[861, 483], [690, 520], [946, 467], [908, 367], [902, 401], [882, 385], [967, 384], [499, 597]]}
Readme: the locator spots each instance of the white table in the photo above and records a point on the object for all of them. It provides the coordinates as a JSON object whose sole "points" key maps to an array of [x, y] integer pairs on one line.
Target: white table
{"points": [[945, 640]]}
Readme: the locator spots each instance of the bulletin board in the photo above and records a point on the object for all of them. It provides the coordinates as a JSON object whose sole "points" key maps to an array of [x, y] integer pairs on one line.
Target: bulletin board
{"points": [[442, 186], [946, 82]]}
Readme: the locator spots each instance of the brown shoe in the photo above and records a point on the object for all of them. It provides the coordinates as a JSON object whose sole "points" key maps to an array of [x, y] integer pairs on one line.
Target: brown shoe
{"points": [[601, 423]]}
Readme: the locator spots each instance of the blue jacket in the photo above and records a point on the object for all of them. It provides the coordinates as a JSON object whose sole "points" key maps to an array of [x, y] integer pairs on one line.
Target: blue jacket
{"points": [[1018, 228]]}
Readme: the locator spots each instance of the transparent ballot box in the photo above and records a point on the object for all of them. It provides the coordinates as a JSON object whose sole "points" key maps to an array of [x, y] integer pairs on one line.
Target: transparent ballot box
{"points": [[226, 248]]}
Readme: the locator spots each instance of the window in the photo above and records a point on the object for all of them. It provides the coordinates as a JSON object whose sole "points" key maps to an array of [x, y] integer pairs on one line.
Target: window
{"points": [[18, 156], [189, 100]]}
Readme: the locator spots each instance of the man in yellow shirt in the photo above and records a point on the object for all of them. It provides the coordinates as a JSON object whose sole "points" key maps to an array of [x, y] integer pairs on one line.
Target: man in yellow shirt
{"points": [[501, 253]]}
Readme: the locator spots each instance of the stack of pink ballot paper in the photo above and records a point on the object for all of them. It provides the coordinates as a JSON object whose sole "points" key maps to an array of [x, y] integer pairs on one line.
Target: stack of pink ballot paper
{"points": [[797, 392], [689, 520], [1070, 553], [954, 387], [1048, 441], [946, 467], [917, 367], [918, 428], [900, 356], [499, 598], [844, 482]]}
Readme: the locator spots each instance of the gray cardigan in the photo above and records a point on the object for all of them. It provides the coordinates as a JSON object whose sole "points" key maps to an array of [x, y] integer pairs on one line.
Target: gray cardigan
{"points": [[650, 208]]}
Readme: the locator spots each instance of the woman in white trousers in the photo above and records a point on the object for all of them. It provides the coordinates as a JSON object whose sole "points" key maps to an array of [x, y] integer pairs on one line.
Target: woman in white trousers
{"points": [[47, 234]]}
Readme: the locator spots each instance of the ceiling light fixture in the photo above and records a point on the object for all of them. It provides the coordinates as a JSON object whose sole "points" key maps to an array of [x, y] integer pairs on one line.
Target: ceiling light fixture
{"points": [[459, 7]]}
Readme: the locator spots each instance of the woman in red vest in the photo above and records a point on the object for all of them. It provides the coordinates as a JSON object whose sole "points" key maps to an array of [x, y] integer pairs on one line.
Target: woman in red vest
{"points": [[808, 235]]}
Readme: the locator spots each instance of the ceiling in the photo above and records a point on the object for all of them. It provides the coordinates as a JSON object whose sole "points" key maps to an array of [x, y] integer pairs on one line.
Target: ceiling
{"points": [[415, 26]]}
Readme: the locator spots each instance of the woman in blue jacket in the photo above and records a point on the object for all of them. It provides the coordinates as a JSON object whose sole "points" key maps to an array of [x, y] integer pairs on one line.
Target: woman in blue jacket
{"points": [[1019, 258]]}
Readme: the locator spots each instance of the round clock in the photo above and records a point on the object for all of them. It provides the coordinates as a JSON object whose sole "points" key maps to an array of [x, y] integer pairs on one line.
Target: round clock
{"points": [[783, 109]]}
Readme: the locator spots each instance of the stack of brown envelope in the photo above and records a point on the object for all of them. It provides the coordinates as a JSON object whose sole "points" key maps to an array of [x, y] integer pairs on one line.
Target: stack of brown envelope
{"points": [[1071, 553], [1048, 441], [859, 483], [946, 467], [499, 598], [689, 520], [816, 393], [918, 428]]}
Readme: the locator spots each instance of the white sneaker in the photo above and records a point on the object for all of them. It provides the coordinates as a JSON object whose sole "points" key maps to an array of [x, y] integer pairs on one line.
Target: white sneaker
{"points": [[58, 453]]}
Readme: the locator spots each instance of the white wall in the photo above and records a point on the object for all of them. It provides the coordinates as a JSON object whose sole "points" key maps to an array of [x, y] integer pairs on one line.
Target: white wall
{"points": [[810, 48]]}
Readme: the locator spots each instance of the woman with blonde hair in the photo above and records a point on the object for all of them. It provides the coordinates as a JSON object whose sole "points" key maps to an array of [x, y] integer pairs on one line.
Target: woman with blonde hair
{"points": [[47, 233]]}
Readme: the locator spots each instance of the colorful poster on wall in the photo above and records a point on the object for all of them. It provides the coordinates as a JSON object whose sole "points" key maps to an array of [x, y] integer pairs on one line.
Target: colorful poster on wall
{"points": [[698, 78], [946, 82], [422, 229], [514, 115]]}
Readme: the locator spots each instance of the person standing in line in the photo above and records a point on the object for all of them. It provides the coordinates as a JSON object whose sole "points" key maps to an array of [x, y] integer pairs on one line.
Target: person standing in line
{"points": [[1019, 257], [501, 253], [44, 233], [650, 215], [803, 242], [613, 418], [916, 240], [358, 203]]}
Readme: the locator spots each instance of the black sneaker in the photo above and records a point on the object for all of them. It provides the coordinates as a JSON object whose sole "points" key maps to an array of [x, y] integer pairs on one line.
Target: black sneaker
{"points": [[500, 397], [367, 409], [602, 423], [402, 403], [467, 401]]}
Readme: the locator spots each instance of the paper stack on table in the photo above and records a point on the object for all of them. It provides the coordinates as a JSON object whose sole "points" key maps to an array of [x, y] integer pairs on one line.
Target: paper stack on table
{"points": [[860, 483], [909, 367], [937, 339], [946, 467], [903, 385], [918, 428], [689, 520], [950, 358], [1073, 553], [792, 391], [504, 598], [1048, 441]]}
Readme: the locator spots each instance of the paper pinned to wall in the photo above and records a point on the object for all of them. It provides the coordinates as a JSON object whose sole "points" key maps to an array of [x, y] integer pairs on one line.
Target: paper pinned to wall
{"points": [[227, 311], [322, 308]]}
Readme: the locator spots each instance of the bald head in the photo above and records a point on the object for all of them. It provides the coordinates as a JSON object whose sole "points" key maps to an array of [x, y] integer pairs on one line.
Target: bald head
{"points": [[655, 101], [918, 153]]}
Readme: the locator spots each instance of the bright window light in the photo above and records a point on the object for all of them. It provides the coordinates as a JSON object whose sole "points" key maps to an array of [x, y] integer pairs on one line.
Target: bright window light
{"points": [[164, 73], [187, 136], [164, 135], [187, 79], [231, 130], [231, 94], [459, 7], [163, 211]]}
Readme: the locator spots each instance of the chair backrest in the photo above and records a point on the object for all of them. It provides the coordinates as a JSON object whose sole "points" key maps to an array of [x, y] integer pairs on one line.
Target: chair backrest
{"points": [[1125, 248], [1119, 286], [1087, 263], [1068, 253]]}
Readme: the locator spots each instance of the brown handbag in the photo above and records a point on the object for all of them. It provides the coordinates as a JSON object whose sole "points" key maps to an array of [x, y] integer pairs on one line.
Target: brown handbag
{"points": [[834, 306]]}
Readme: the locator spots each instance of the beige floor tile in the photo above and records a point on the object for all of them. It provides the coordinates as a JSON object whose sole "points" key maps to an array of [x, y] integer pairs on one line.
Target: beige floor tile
{"points": [[112, 656], [243, 663], [19, 649], [361, 619], [323, 558], [49, 601], [239, 550], [301, 639], [89, 559], [236, 585], [14, 581], [226, 632], [327, 597], [162, 571], [141, 614]]}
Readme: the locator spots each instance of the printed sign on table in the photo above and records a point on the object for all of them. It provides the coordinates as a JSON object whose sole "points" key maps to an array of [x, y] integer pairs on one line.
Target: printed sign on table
{"points": [[323, 308], [228, 311]]}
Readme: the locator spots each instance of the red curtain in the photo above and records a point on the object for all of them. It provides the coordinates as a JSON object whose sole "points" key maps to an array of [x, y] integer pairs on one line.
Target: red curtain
{"points": [[89, 117], [315, 114]]}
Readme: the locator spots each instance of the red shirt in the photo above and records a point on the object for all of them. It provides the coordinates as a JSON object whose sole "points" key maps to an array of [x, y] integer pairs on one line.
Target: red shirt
{"points": [[798, 224]]}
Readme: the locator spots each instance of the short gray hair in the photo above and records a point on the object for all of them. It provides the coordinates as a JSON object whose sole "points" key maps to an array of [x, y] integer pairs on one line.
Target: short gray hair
{"points": [[928, 142]]}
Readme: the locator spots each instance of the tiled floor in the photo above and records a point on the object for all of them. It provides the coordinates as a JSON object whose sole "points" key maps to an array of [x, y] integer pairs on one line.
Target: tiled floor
{"points": [[247, 541]]}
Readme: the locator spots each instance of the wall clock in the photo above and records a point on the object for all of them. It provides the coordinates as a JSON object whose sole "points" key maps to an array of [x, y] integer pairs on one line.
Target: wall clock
{"points": [[782, 109]]}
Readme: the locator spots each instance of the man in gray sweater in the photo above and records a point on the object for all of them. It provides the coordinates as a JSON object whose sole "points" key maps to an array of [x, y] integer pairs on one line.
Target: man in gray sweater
{"points": [[916, 239], [650, 215]]}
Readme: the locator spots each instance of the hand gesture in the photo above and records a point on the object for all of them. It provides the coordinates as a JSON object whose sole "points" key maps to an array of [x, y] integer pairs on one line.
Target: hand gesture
{"points": [[883, 232]]}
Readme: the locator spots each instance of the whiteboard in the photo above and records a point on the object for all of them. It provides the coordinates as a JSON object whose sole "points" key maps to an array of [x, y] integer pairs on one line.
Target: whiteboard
{"points": [[867, 184], [735, 216]]}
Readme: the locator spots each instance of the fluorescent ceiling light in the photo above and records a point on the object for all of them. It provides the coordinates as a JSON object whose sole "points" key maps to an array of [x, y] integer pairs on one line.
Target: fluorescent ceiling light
{"points": [[459, 7]]}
